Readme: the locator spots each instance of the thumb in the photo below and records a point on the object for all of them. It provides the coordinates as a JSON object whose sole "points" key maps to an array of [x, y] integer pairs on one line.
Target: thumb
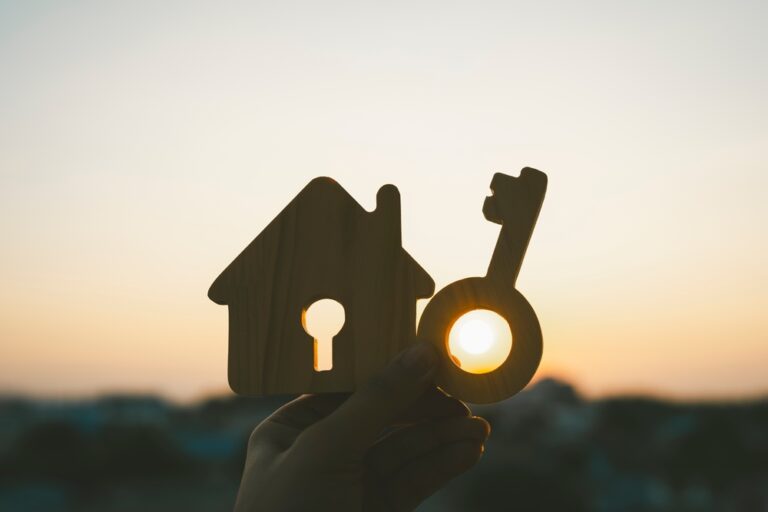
{"points": [[359, 421]]}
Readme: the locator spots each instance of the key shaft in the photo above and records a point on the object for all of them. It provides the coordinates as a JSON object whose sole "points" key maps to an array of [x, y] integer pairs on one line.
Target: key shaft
{"points": [[515, 204]]}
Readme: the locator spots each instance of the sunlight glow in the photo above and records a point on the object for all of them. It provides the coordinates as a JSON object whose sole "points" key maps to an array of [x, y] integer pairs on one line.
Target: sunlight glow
{"points": [[475, 336], [323, 320], [480, 341]]}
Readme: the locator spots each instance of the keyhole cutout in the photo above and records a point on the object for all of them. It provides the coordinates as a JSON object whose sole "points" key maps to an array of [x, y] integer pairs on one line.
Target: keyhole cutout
{"points": [[323, 320]]}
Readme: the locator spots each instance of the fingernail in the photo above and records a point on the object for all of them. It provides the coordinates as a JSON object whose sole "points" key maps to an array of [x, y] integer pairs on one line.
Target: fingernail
{"points": [[487, 426], [420, 359]]}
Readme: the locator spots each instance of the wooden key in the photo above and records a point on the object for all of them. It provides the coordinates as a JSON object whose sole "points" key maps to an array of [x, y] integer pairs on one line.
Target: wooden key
{"points": [[515, 204]]}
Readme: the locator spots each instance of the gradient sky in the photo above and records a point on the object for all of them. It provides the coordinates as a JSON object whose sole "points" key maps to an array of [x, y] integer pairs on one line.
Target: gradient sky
{"points": [[144, 144]]}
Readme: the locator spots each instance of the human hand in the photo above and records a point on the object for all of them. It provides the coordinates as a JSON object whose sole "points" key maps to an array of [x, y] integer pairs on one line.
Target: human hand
{"points": [[331, 451]]}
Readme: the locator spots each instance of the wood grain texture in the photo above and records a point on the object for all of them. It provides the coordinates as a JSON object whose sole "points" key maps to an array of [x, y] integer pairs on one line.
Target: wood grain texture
{"points": [[322, 245], [515, 204]]}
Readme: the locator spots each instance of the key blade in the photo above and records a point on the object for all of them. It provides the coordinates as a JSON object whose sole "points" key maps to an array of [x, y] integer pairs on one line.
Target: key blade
{"points": [[491, 210], [515, 204], [528, 189]]}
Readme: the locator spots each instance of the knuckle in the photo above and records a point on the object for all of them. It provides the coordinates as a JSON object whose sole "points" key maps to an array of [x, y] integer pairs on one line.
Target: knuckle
{"points": [[254, 438], [382, 385]]}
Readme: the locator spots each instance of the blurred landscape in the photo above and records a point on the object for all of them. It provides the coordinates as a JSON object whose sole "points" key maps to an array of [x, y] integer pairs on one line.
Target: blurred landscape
{"points": [[550, 449]]}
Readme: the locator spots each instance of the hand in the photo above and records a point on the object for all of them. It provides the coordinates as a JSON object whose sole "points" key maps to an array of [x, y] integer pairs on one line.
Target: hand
{"points": [[331, 452]]}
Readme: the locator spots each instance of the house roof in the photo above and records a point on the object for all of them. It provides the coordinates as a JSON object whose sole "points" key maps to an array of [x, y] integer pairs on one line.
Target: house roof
{"points": [[327, 206]]}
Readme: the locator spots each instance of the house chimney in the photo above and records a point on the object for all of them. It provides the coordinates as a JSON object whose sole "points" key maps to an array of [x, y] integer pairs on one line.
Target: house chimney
{"points": [[388, 209]]}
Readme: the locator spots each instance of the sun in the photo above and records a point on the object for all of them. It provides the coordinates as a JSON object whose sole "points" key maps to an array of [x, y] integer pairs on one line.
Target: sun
{"points": [[480, 341], [475, 336]]}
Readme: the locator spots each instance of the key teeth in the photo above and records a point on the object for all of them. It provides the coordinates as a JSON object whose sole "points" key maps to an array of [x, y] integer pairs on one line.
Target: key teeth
{"points": [[530, 184], [534, 177], [529, 179], [500, 185], [498, 180], [491, 211], [526, 174]]}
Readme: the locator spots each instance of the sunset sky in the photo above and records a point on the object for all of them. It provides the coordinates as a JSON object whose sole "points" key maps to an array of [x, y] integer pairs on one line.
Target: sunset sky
{"points": [[144, 144]]}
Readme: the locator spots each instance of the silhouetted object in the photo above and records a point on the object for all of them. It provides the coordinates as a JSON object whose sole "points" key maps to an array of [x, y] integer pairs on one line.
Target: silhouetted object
{"points": [[325, 245], [322, 245], [515, 204]]}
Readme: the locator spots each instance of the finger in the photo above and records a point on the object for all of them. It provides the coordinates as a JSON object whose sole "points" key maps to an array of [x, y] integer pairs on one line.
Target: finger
{"points": [[433, 404], [409, 443], [307, 409], [424, 476], [357, 423], [281, 427]]}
